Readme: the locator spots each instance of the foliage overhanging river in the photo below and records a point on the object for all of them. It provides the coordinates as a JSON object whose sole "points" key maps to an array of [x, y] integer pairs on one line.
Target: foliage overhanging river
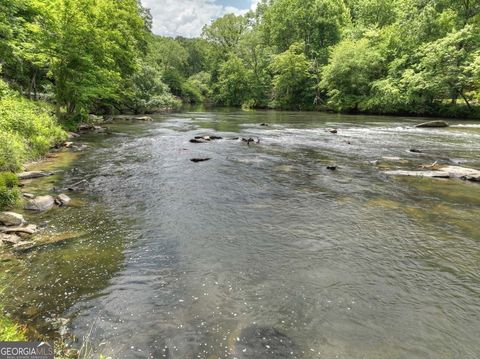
{"points": [[174, 259]]}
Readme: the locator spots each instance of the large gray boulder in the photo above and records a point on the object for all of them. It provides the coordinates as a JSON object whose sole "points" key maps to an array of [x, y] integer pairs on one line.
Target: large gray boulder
{"points": [[11, 219], [430, 124], [40, 204]]}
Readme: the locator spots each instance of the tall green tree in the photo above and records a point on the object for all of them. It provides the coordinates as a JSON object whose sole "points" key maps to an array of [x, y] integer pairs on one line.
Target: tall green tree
{"points": [[293, 82]]}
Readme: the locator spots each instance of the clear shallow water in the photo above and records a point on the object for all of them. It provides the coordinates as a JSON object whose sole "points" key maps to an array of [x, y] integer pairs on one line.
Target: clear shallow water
{"points": [[174, 259]]}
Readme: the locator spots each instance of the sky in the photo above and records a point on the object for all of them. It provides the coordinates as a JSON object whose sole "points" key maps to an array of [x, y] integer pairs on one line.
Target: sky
{"points": [[187, 17]]}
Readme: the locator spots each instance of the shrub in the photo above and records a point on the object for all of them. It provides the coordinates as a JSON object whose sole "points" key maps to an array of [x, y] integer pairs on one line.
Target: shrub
{"points": [[9, 194]]}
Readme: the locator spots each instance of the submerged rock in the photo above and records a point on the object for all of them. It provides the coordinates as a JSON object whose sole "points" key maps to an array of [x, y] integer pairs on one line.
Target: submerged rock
{"points": [[9, 239], [429, 174], [30, 229], [433, 124], [332, 168], [33, 174], [40, 204], [24, 246], [265, 343], [11, 219], [464, 173], [78, 186], [333, 130], [196, 160]]}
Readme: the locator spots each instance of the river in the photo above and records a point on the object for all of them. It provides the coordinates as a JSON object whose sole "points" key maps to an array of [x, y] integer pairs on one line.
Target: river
{"points": [[175, 259]]}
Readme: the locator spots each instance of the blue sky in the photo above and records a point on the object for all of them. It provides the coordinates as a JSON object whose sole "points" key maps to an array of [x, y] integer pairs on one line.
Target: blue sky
{"points": [[187, 17], [240, 4]]}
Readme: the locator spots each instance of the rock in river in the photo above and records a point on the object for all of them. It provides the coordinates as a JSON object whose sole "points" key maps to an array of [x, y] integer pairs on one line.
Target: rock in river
{"points": [[198, 140], [196, 160], [467, 174], [204, 139], [265, 342], [9, 239], [11, 219], [40, 204], [430, 174], [30, 229], [33, 174], [63, 200], [428, 124]]}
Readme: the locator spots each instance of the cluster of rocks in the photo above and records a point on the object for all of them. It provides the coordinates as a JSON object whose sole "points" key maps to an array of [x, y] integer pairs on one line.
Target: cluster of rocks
{"points": [[86, 127], [131, 118], [15, 230]]}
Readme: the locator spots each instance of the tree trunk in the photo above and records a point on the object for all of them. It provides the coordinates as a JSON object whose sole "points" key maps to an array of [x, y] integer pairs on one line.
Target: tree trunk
{"points": [[466, 101]]}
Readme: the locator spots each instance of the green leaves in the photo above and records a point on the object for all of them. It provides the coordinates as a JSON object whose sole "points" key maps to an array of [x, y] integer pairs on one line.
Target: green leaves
{"points": [[353, 67], [292, 81]]}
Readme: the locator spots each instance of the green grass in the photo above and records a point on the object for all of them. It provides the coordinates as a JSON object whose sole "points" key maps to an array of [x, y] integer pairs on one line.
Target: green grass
{"points": [[10, 331], [28, 129], [9, 194]]}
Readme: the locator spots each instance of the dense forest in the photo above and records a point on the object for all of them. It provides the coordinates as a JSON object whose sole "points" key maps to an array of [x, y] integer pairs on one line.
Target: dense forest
{"points": [[99, 56], [65, 59]]}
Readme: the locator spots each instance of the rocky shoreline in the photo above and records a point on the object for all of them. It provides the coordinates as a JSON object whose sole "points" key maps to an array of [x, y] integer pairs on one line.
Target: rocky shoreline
{"points": [[16, 233]]}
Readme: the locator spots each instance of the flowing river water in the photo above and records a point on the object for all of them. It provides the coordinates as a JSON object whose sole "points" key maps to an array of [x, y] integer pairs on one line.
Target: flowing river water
{"points": [[262, 248]]}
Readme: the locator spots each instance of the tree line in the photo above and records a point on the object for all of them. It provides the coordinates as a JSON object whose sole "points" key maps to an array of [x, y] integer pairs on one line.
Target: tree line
{"points": [[417, 57]]}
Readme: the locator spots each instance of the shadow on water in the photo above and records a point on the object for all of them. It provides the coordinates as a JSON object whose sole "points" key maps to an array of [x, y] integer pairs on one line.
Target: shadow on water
{"points": [[263, 248]]}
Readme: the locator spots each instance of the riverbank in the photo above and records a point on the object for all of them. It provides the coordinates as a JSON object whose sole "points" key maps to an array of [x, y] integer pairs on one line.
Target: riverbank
{"points": [[26, 229]]}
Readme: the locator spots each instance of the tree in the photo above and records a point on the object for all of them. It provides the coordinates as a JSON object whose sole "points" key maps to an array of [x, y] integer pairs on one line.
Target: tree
{"points": [[315, 23], [234, 82], [443, 70], [225, 33], [353, 67], [292, 81], [93, 47]]}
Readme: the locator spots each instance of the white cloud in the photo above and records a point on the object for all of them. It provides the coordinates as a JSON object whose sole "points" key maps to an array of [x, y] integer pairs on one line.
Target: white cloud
{"points": [[254, 4], [186, 17]]}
